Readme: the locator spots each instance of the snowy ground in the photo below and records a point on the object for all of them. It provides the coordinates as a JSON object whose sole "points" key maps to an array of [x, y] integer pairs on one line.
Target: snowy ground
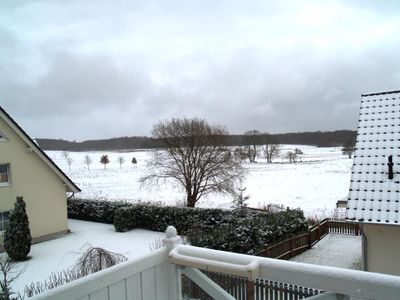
{"points": [[336, 250], [62, 253], [315, 184]]}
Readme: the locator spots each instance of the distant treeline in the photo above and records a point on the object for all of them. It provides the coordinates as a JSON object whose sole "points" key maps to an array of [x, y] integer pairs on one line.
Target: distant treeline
{"points": [[319, 138]]}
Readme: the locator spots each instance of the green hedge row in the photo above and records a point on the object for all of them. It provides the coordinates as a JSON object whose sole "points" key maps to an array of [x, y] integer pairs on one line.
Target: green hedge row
{"points": [[237, 231], [214, 228], [94, 210]]}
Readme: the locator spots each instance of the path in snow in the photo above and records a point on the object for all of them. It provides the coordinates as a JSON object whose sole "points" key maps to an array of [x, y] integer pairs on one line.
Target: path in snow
{"points": [[335, 250]]}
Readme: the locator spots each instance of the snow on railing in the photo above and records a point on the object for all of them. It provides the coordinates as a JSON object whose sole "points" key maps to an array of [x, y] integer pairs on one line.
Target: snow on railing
{"points": [[158, 276]]}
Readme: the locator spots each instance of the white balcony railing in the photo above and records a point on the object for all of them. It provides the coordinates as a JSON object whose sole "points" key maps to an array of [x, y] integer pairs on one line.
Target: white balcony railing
{"points": [[158, 276]]}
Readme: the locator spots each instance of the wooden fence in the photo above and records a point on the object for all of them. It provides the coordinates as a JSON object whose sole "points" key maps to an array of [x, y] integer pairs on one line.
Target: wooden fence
{"points": [[242, 289], [296, 244]]}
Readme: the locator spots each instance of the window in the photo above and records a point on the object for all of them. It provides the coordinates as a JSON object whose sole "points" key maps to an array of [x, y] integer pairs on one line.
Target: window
{"points": [[3, 137], [5, 179], [4, 219]]}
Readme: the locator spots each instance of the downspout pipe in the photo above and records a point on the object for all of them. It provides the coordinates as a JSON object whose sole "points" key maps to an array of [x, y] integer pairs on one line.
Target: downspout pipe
{"points": [[73, 194], [364, 247]]}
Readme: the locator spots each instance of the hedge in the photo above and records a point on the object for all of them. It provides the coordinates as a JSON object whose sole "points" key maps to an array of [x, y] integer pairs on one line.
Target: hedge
{"points": [[242, 232], [94, 210], [214, 228]]}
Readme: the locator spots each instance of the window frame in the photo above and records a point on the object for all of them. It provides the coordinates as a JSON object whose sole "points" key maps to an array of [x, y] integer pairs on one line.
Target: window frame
{"points": [[8, 182], [4, 221]]}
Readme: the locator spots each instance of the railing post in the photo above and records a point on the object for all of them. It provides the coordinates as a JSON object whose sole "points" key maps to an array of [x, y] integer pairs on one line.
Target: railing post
{"points": [[309, 240], [356, 228], [249, 290], [172, 240], [319, 232]]}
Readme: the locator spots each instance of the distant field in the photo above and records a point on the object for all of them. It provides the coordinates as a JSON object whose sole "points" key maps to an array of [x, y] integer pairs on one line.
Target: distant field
{"points": [[314, 185]]}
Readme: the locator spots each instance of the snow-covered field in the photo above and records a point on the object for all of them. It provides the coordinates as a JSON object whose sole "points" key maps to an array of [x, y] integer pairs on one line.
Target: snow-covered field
{"points": [[314, 184], [63, 253]]}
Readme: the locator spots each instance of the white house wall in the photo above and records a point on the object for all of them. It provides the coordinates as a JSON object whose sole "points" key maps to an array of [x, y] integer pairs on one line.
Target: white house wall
{"points": [[383, 248]]}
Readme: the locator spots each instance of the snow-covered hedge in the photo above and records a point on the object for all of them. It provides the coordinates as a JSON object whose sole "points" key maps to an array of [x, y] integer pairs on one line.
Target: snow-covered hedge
{"points": [[214, 228], [94, 210], [242, 232]]}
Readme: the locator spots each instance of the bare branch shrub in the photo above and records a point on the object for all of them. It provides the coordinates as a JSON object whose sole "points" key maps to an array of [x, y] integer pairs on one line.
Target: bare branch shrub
{"points": [[54, 280], [9, 273], [95, 259]]}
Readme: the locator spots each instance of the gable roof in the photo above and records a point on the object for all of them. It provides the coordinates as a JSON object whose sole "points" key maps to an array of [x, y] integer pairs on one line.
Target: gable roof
{"points": [[71, 186], [373, 197]]}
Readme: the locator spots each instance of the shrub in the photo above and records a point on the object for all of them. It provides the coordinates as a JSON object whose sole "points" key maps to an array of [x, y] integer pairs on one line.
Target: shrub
{"points": [[94, 210], [17, 237], [214, 228], [92, 260]]}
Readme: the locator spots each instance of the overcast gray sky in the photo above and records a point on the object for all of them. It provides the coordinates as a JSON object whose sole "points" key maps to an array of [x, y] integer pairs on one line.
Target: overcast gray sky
{"points": [[96, 69]]}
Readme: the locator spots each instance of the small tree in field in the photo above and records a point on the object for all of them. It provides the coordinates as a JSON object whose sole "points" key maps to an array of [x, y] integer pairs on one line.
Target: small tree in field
{"points": [[292, 156], [17, 237], [134, 161], [69, 162], [104, 160], [252, 140], [65, 154], [195, 157], [271, 151], [121, 160], [87, 161], [348, 149]]}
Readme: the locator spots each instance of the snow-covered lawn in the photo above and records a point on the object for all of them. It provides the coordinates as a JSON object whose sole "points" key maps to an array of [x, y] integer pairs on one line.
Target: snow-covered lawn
{"points": [[315, 184], [336, 250], [62, 253]]}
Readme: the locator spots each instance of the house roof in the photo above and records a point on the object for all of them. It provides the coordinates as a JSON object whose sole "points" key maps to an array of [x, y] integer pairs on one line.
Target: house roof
{"points": [[373, 197], [71, 186]]}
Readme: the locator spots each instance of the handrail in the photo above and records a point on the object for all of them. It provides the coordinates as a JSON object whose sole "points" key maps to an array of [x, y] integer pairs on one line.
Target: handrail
{"points": [[202, 258], [363, 285]]}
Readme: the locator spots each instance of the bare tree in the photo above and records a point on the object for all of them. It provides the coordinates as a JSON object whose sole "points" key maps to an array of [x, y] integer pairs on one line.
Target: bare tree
{"points": [[194, 156], [69, 162], [271, 151], [87, 161], [120, 160], [65, 154], [241, 153], [252, 139], [104, 160], [348, 149], [291, 156]]}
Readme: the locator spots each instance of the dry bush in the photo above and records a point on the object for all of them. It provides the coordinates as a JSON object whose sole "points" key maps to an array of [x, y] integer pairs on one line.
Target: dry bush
{"points": [[93, 259]]}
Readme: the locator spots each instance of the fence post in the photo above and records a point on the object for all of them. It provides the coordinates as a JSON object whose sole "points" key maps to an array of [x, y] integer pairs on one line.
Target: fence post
{"points": [[309, 240], [291, 246], [249, 290], [356, 228], [319, 232]]}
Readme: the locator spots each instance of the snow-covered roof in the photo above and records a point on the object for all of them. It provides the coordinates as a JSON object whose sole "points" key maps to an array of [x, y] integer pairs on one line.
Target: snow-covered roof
{"points": [[373, 197]]}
